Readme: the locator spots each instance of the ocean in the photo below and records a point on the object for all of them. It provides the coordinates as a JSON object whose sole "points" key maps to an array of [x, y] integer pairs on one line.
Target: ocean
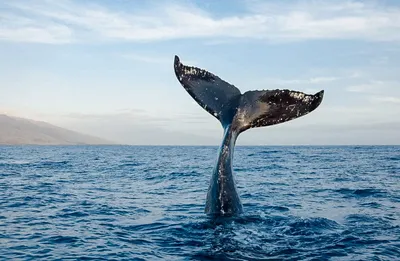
{"points": [[147, 203]]}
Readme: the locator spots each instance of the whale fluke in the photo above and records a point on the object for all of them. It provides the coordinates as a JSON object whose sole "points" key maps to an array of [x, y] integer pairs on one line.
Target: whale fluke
{"points": [[270, 107], [249, 110], [238, 112], [212, 93]]}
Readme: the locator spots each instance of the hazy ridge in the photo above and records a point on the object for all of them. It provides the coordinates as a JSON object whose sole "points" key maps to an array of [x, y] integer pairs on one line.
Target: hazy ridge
{"points": [[19, 131]]}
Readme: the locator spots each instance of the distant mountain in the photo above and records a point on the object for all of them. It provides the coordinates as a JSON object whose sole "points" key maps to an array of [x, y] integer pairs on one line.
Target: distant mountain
{"points": [[15, 131]]}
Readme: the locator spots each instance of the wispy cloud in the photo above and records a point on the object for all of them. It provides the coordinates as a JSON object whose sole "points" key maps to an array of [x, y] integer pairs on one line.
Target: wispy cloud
{"points": [[312, 80], [374, 87], [385, 99], [70, 21], [365, 88], [146, 59], [17, 28]]}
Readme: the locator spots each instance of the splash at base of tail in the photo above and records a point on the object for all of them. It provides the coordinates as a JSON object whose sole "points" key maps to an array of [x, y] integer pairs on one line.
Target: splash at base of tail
{"points": [[238, 112]]}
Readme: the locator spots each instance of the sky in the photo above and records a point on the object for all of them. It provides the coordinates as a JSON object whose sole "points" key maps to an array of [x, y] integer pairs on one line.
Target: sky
{"points": [[105, 68]]}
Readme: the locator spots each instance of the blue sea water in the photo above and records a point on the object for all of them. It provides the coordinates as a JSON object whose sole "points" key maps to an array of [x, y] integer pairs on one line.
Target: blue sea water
{"points": [[147, 203]]}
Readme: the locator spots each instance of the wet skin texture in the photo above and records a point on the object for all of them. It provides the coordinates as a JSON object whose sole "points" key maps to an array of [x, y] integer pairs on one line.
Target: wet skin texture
{"points": [[238, 112]]}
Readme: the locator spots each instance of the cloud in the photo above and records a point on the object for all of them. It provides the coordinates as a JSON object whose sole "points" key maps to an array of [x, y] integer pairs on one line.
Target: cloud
{"points": [[17, 28], [312, 80], [380, 60], [379, 94], [362, 88], [371, 87], [81, 21], [153, 59], [316, 79], [385, 99], [147, 59]]}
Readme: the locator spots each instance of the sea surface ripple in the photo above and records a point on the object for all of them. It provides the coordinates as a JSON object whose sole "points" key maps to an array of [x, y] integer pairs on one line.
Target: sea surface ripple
{"points": [[147, 203]]}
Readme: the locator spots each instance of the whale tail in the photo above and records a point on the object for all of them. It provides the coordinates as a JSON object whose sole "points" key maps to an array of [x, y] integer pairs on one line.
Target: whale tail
{"points": [[243, 111]]}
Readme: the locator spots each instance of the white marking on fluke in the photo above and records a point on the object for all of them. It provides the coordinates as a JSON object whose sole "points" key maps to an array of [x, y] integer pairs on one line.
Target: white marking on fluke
{"points": [[190, 70], [297, 95]]}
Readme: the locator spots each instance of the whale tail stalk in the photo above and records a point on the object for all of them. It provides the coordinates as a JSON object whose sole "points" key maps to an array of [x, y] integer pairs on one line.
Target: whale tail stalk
{"points": [[243, 111]]}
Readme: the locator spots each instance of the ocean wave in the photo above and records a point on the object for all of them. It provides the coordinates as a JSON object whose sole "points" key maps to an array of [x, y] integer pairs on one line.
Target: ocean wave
{"points": [[300, 203]]}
